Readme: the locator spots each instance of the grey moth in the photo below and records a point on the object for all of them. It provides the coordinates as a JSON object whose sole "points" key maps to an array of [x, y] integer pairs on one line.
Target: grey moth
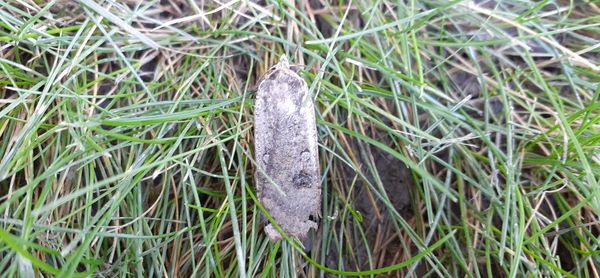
{"points": [[286, 152]]}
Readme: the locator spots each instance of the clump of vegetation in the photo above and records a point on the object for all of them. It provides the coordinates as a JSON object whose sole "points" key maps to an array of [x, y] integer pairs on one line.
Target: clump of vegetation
{"points": [[455, 138]]}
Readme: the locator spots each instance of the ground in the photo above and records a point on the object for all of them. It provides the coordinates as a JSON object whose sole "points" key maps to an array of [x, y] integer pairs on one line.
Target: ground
{"points": [[455, 138]]}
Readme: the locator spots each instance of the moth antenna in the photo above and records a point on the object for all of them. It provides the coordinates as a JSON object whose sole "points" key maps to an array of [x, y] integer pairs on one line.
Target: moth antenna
{"points": [[297, 67]]}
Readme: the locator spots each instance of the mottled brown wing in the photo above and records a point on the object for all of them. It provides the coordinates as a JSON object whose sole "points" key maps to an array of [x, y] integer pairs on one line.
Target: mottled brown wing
{"points": [[286, 153]]}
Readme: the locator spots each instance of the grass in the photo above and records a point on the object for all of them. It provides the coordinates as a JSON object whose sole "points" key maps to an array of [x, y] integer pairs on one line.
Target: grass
{"points": [[455, 139]]}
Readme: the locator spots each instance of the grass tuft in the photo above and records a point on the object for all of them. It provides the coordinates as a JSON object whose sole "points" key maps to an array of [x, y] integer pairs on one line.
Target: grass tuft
{"points": [[456, 138]]}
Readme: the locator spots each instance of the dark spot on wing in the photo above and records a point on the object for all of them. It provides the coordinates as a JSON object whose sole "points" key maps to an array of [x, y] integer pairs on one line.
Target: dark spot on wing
{"points": [[301, 179]]}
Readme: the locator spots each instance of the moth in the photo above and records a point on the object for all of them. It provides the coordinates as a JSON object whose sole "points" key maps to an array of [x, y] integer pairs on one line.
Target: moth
{"points": [[286, 152]]}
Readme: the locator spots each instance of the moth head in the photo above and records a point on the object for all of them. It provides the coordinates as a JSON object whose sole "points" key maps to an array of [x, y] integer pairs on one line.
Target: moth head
{"points": [[283, 62], [282, 65]]}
